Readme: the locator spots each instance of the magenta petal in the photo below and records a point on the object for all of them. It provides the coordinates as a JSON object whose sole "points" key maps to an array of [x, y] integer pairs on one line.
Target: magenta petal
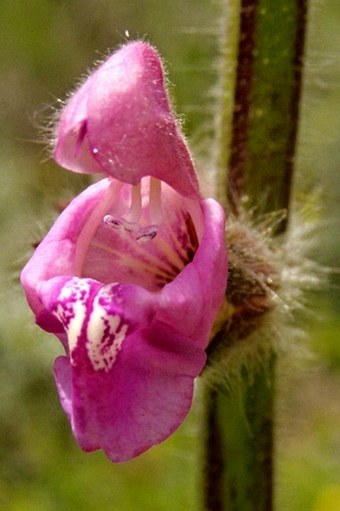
{"points": [[205, 279], [63, 378], [56, 254], [71, 149], [129, 380], [120, 122], [140, 401]]}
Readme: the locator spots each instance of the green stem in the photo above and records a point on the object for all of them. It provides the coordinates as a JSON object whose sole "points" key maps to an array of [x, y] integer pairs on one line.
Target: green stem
{"points": [[230, 33], [261, 147], [267, 101], [239, 457]]}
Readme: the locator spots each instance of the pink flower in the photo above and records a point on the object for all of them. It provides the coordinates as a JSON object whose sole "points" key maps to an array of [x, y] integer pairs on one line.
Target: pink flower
{"points": [[133, 272]]}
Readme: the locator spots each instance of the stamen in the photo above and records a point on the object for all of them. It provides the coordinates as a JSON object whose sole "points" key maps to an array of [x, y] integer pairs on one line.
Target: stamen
{"points": [[130, 226], [146, 233], [130, 223], [135, 211], [113, 222], [121, 224]]}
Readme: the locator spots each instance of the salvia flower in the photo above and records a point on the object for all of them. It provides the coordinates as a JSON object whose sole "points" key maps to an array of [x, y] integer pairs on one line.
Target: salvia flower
{"points": [[132, 274]]}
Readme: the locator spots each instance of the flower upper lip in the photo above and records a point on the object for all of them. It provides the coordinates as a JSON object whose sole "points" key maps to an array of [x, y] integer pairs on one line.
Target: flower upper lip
{"points": [[120, 122]]}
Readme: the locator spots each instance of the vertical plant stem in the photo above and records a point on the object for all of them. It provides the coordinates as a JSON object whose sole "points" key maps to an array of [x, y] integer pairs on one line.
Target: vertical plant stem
{"points": [[274, 103], [261, 144], [230, 34], [239, 451]]}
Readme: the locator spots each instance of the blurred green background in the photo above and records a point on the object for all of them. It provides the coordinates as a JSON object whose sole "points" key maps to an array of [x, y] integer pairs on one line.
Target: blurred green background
{"points": [[45, 45]]}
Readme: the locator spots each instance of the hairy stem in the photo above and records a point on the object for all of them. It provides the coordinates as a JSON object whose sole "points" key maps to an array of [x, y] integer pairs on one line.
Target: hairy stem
{"points": [[258, 152], [239, 459], [230, 33]]}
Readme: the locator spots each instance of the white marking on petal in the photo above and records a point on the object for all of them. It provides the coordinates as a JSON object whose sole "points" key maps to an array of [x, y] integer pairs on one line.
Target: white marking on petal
{"points": [[105, 335], [71, 309]]}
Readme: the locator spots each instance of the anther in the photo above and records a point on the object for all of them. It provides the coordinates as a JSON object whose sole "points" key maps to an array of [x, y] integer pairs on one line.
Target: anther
{"points": [[146, 234], [130, 226], [113, 222]]}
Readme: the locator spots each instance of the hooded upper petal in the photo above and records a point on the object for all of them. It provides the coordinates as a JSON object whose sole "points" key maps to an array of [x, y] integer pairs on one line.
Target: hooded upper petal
{"points": [[120, 122]]}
